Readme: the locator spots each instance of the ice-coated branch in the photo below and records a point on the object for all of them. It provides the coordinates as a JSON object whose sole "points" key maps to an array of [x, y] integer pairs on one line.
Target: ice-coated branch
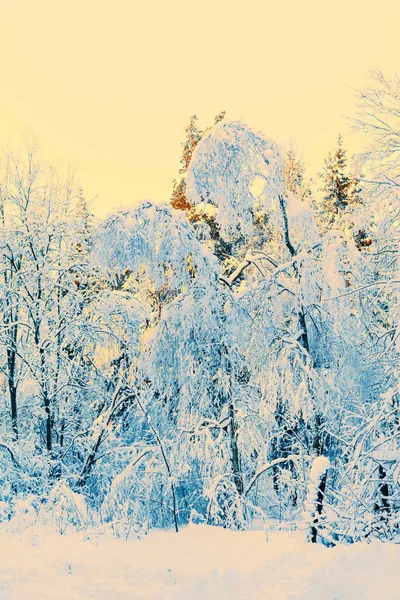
{"points": [[267, 467]]}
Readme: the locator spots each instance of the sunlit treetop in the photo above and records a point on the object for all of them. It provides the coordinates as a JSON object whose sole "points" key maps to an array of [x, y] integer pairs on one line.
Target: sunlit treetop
{"points": [[234, 171]]}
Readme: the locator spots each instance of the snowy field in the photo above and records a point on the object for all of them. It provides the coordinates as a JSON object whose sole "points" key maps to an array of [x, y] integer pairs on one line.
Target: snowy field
{"points": [[199, 563]]}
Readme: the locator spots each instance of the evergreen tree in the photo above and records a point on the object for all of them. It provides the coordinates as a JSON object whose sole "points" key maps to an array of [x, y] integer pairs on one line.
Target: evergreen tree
{"points": [[193, 136], [293, 173], [86, 219], [340, 190]]}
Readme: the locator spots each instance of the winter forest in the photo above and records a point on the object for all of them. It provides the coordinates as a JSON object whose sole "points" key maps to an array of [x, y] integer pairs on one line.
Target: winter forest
{"points": [[226, 358]]}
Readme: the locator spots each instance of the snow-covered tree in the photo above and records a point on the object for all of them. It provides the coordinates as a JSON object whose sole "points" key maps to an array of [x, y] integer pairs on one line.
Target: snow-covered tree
{"points": [[164, 366], [294, 176], [379, 117], [340, 190]]}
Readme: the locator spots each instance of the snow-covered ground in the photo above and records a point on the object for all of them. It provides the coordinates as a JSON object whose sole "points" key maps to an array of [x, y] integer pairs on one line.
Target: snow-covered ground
{"points": [[198, 563]]}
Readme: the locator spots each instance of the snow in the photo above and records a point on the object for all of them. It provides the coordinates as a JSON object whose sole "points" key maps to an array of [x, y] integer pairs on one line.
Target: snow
{"points": [[200, 562], [320, 466], [227, 168]]}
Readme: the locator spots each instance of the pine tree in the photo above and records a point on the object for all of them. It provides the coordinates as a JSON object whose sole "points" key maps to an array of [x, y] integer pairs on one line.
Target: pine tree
{"points": [[219, 117], [86, 220], [179, 199], [193, 136], [340, 189], [293, 174]]}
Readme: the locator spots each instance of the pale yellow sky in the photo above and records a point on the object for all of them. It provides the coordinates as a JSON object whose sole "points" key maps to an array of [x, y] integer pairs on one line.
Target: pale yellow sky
{"points": [[109, 86]]}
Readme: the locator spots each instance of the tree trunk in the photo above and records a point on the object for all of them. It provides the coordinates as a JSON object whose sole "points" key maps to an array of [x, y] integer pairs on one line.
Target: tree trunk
{"points": [[9, 316], [47, 410], [316, 493], [382, 506], [235, 456], [318, 508], [14, 412]]}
